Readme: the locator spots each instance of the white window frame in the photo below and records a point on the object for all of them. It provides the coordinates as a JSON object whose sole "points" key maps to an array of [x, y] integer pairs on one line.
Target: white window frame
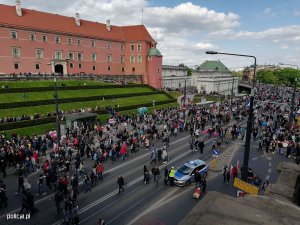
{"points": [[93, 44], [122, 59], [58, 55], [71, 54], [16, 52], [57, 39], [16, 63], [94, 57], [32, 37], [79, 41], [132, 47], [109, 58], [139, 47], [132, 59], [39, 53], [122, 46], [44, 38], [69, 40], [108, 45], [139, 59], [81, 56], [14, 34]]}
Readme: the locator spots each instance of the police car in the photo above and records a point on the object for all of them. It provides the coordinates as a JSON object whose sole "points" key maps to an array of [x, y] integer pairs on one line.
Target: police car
{"points": [[184, 175]]}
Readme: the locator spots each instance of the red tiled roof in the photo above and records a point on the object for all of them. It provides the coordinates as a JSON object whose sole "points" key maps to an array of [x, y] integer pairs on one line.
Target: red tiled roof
{"points": [[137, 33], [47, 22]]}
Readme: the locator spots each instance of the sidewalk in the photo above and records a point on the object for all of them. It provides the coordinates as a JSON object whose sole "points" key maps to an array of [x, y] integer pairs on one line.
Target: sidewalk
{"points": [[224, 158]]}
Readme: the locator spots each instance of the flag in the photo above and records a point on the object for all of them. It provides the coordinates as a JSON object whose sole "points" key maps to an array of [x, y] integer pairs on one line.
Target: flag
{"points": [[238, 165]]}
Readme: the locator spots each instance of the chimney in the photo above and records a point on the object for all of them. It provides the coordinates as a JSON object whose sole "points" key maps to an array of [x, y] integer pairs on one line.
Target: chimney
{"points": [[108, 27], [18, 8], [77, 19]]}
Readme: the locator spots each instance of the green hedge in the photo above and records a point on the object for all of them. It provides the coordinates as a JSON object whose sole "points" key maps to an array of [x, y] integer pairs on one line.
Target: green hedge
{"points": [[30, 123], [10, 105], [26, 123], [51, 88]]}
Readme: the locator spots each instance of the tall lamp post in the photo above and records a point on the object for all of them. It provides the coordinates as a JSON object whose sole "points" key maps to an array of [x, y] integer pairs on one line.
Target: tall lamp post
{"points": [[291, 115], [184, 103], [244, 169], [231, 99], [57, 123], [292, 106]]}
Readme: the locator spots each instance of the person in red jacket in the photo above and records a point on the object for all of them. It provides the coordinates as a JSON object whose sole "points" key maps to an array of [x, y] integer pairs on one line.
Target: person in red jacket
{"points": [[123, 151], [99, 170]]}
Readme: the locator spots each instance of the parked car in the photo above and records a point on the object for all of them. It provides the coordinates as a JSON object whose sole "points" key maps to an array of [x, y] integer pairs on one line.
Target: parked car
{"points": [[184, 175]]}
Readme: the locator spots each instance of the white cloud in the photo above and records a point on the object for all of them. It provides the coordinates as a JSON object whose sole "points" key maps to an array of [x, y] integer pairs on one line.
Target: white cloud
{"points": [[188, 17], [205, 46], [268, 11], [185, 31], [287, 34], [285, 47], [296, 13]]}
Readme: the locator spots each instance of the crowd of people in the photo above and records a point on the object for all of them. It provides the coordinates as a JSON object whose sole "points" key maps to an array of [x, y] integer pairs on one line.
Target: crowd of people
{"points": [[64, 164]]}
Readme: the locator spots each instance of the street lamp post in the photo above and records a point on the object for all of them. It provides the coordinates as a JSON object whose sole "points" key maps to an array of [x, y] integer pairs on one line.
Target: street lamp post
{"points": [[231, 99], [57, 123], [184, 103], [292, 106], [244, 169], [286, 64]]}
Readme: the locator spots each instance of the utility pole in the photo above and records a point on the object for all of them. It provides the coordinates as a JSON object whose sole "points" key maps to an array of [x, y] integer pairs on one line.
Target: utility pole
{"points": [[245, 167], [184, 103], [57, 124], [291, 116], [231, 99]]}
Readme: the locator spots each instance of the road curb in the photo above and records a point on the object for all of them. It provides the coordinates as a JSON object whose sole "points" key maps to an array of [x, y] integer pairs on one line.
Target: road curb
{"points": [[224, 159]]}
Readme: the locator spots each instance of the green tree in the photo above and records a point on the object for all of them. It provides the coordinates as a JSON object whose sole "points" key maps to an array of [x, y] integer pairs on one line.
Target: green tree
{"points": [[286, 76], [266, 76], [189, 72], [237, 73]]}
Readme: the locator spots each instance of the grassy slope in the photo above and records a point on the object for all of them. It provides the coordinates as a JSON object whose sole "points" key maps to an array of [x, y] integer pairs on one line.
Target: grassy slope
{"points": [[47, 83], [34, 96], [78, 105], [41, 129]]}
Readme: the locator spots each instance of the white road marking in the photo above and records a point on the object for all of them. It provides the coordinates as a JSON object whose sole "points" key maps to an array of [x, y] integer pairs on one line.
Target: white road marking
{"points": [[269, 170], [270, 164], [255, 158], [50, 197]]}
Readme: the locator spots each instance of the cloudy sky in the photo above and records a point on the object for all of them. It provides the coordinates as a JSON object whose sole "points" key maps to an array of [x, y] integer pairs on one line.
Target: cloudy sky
{"points": [[184, 30]]}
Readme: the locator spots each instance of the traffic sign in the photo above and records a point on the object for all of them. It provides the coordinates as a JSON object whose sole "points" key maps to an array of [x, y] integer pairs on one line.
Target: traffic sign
{"points": [[215, 153]]}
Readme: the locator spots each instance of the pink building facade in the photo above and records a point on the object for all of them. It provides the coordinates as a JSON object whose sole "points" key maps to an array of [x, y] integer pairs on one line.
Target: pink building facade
{"points": [[38, 42]]}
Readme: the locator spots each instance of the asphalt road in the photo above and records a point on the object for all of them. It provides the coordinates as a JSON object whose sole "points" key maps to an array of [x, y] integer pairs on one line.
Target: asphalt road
{"points": [[103, 200], [140, 203]]}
